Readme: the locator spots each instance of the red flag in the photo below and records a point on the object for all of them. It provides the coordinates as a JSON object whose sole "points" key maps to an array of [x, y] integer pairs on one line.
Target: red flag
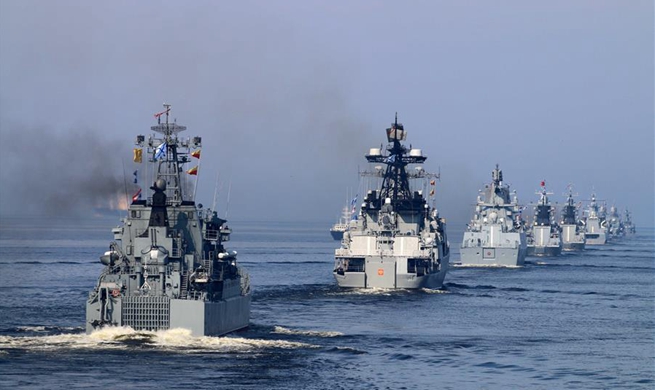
{"points": [[193, 171], [196, 154], [136, 196], [543, 183], [157, 115]]}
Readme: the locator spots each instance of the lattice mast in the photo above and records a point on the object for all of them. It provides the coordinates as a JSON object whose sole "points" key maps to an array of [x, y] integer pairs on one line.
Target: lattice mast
{"points": [[395, 182]]}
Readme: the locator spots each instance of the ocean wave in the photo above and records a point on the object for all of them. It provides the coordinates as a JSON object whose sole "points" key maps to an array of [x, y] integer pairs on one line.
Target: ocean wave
{"points": [[312, 333], [433, 291], [369, 291], [179, 340], [46, 328], [485, 266], [471, 287]]}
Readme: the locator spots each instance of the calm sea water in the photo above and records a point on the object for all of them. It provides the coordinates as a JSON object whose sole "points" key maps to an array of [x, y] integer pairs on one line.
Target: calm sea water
{"points": [[579, 321]]}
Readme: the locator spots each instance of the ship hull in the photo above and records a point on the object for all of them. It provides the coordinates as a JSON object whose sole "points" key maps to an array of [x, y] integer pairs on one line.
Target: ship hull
{"points": [[336, 234], [573, 246], [572, 240], [384, 272], [596, 238], [492, 257], [544, 251], [202, 318]]}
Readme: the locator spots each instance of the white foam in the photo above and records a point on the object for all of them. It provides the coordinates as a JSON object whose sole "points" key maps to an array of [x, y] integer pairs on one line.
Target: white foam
{"points": [[368, 291], [432, 291], [283, 330], [32, 328], [179, 340]]}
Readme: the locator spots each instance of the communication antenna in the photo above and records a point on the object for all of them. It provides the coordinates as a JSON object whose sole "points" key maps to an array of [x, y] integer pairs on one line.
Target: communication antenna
{"points": [[127, 198], [215, 193], [229, 190]]}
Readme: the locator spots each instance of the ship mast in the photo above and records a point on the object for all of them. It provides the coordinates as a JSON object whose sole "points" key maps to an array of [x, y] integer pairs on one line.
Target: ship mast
{"points": [[395, 183], [169, 153]]}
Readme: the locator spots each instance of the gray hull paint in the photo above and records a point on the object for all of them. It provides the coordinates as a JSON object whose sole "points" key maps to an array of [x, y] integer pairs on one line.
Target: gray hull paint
{"points": [[492, 257], [382, 273], [544, 251], [202, 318], [596, 239], [337, 234], [573, 246]]}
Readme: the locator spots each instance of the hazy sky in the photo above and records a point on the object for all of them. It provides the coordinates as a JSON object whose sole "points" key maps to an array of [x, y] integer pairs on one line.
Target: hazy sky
{"points": [[289, 95]]}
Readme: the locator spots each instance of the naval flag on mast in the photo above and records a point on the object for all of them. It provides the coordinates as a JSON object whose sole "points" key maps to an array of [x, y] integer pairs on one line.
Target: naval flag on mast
{"points": [[160, 152]]}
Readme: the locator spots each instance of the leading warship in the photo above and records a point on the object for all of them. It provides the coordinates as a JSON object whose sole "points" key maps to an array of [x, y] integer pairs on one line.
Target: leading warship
{"points": [[544, 236], [495, 236], [398, 240], [167, 266], [573, 237]]}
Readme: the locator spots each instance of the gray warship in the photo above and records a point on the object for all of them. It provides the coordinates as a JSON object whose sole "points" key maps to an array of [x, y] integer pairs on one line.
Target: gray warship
{"points": [[615, 228], [573, 237], [495, 235], [544, 237], [398, 240], [341, 226], [595, 227], [628, 226], [167, 266]]}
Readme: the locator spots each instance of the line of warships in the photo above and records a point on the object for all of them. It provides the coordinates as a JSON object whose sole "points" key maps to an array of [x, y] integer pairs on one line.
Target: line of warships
{"points": [[168, 267], [398, 240], [498, 235]]}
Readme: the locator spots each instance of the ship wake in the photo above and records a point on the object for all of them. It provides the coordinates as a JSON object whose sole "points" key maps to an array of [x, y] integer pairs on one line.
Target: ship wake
{"points": [[125, 338]]}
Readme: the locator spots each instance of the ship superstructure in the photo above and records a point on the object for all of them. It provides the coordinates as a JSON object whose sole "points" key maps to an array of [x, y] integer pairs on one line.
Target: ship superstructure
{"points": [[615, 228], [594, 224], [341, 226], [398, 239], [544, 235], [495, 235], [628, 225], [573, 237], [167, 266]]}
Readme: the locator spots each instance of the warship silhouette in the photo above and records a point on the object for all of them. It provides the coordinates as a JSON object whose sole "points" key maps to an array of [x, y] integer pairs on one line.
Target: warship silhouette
{"points": [[398, 239], [167, 266], [495, 236]]}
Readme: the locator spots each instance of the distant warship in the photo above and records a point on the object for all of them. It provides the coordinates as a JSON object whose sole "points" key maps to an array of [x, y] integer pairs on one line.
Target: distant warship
{"points": [[167, 267], [615, 228], [341, 226], [495, 236], [573, 238], [398, 240], [544, 238], [628, 226], [595, 228]]}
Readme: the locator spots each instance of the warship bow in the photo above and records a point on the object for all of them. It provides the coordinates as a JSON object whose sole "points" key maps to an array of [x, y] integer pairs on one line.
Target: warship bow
{"points": [[167, 266]]}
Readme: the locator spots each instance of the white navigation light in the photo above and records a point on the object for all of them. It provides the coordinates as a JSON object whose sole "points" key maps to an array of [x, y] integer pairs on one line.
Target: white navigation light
{"points": [[374, 152], [416, 153]]}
